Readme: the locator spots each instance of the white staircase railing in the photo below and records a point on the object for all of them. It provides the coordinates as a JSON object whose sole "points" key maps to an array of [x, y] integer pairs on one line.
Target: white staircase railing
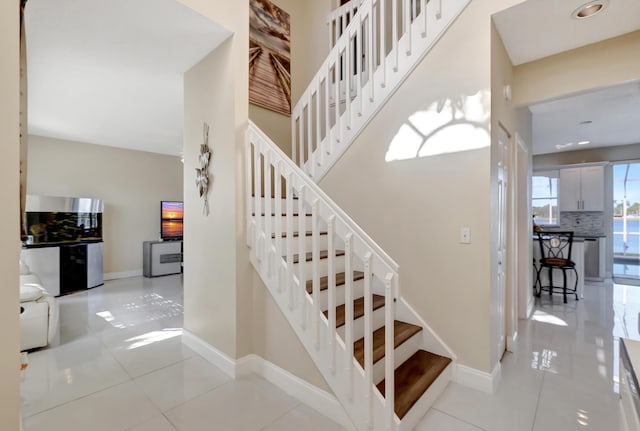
{"points": [[270, 171], [375, 48], [288, 218]]}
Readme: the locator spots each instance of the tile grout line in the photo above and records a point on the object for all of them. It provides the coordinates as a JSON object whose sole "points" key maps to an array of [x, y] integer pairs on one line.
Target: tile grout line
{"points": [[455, 417]]}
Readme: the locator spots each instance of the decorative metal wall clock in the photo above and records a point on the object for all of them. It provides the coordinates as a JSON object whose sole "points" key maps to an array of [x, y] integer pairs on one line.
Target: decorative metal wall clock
{"points": [[202, 173]]}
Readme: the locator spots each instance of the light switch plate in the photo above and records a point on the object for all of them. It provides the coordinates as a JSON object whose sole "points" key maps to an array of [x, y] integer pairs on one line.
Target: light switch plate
{"points": [[465, 235]]}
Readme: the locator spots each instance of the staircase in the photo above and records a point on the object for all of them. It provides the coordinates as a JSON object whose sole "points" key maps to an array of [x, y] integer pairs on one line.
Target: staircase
{"points": [[375, 44], [341, 294], [338, 289]]}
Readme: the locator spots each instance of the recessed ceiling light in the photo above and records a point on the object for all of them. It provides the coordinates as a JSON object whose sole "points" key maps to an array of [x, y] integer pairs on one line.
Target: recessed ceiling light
{"points": [[590, 9], [584, 142]]}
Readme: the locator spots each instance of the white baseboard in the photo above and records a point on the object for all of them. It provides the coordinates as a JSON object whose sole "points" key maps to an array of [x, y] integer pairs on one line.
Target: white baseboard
{"points": [[314, 397], [476, 379], [125, 274], [512, 342], [221, 360]]}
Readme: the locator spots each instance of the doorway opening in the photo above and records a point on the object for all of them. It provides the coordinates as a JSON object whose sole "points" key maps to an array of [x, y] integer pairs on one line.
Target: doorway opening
{"points": [[626, 222]]}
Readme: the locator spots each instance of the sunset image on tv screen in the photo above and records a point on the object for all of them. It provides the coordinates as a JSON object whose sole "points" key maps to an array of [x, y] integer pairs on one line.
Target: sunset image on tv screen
{"points": [[172, 210]]}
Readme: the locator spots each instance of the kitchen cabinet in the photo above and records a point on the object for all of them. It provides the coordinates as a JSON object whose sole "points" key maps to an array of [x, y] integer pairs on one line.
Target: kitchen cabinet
{"points": [[581, 189]]}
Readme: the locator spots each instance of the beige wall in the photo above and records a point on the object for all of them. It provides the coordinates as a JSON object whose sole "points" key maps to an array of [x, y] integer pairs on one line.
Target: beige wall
{"points": [[131, 183], [9, 228], [415, 208], [609, 62], [309, 46]]}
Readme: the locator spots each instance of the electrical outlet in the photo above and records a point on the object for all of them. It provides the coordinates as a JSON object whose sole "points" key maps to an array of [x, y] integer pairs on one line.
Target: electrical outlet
{"points": [[465, 235]]}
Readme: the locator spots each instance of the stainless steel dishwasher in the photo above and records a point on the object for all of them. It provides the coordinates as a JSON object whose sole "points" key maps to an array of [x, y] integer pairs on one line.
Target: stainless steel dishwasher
{"points": [[592, 259]]}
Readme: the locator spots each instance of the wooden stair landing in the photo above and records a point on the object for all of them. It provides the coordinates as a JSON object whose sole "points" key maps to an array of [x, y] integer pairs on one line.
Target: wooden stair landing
{"points": [[402, 331], [413, 378]]}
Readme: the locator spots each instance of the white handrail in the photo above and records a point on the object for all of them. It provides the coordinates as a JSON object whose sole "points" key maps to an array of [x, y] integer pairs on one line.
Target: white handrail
{"points": [[307, 316]]}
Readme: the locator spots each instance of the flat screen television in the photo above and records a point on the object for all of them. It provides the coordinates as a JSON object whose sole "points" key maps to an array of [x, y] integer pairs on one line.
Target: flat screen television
{"points": [[171, 220]]}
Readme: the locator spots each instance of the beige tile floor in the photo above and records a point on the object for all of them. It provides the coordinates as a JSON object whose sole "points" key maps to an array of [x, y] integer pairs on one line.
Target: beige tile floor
{"points": [[119, 365]]}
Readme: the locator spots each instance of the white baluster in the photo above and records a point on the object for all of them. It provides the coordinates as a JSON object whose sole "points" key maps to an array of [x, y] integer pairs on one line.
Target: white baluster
{"points": [[359, 58], [294, 141], [348, 308], [368, 338], [266, 181], [406, 12], [438, 8], [371, 52], [394, 35], [248, 187], [301, 138], [302, 258], [336, 91], [257, 208], [389, 351], [315, 244], [290, 284], [348, 59], [279, 212], [318, 125], [331, 273], [382, 53], [425, 17], [313, 162]]}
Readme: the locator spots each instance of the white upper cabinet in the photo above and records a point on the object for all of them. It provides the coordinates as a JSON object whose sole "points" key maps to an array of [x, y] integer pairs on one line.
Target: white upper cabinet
{"points": [[582, 189]]}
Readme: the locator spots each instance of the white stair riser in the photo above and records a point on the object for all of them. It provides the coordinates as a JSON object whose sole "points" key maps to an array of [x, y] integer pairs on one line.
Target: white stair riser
{"points": [[338, 266], [358, 324], [283, 223], [401, 354], [358, 291], [308, 243]]}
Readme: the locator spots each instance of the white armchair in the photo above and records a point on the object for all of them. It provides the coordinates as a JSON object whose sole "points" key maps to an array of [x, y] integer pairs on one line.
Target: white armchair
{"points": [[38, 312]]}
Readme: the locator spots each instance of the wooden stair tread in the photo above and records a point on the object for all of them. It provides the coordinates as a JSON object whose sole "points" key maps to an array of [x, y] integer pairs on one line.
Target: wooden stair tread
{"points": [[413, 378], [340, 279], [297, 234], [309, 255], [358, 309], [402, 331]]}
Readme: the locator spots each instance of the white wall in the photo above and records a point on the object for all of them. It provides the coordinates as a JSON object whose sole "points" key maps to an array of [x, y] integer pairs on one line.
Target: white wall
{"points": [[131, 183], [10, 226]]}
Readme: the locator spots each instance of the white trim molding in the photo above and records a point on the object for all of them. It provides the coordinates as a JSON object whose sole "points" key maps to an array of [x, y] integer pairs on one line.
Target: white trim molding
{"points": [[314, 397], [220, 359], [476, 379], [125, 274]]}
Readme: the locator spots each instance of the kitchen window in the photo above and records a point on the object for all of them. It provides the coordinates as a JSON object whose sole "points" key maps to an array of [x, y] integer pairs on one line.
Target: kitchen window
{"points": [[544, 197]]}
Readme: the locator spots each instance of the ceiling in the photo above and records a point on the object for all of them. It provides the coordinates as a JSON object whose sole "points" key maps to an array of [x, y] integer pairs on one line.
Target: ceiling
{"points": [[536, 29], [614, 113], [110, 72]]}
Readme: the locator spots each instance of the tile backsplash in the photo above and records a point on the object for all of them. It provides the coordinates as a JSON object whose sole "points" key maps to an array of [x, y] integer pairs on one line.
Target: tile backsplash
{"points": [[583, 223]]}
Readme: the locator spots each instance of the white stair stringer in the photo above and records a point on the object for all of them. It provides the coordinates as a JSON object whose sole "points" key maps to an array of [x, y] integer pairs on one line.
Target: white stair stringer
{"points": [[331, 348], [323, 130]]}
